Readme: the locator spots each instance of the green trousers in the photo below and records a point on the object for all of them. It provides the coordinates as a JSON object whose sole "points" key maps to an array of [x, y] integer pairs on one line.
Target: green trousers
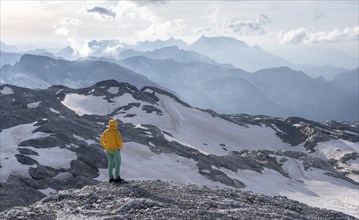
{"points": [[114, 156]]}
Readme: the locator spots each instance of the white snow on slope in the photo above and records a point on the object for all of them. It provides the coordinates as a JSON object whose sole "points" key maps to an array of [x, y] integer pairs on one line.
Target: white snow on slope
{"points": [[54, 157], [334, 149], [10, 139], [6, 91], [311, 187], [189, 126], [95, 105], [199, 129], [140, 163]]}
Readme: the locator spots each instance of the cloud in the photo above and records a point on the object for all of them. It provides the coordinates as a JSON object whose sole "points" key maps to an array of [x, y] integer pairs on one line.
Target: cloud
{"points": [[80, 47], [250, 26], [161, 30], [146, 2], [151, 26], [102, 12], [66, 26], [302, 35], [219, 26]]}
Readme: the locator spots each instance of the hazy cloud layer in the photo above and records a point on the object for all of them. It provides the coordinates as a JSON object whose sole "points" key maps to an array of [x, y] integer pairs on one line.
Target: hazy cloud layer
{"points": [[157, 27], [250, 26], [302, 35], [146, 2], [217, 25]]}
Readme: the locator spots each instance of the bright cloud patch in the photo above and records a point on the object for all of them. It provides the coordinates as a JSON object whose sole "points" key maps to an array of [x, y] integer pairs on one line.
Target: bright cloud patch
{"points": [[302, 35]]}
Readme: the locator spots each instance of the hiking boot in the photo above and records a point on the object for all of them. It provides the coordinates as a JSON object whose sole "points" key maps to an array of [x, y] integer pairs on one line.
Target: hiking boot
{"points": [[111, 180], [118, 180]]}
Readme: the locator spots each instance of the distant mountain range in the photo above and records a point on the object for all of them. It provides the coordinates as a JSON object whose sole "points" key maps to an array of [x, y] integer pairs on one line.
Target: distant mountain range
{"points": [[223, 50], [34, 71], [274, 91], [158, 44], [327, 72], [204, 81], [172, 52], [8, 48]]}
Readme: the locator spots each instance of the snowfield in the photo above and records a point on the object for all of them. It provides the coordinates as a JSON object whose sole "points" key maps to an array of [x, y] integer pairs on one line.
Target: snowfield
{"points": [[188, 126], [10, 139]]}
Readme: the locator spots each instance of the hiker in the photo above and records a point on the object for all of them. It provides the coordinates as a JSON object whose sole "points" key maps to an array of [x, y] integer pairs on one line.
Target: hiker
{"points": [[111, 140]]}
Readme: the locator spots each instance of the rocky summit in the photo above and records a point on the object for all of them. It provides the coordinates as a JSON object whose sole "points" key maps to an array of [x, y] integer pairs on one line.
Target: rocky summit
{"points": [[165, 200]]}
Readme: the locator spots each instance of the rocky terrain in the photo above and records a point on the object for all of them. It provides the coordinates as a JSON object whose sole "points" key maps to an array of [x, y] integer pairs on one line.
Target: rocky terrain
{"points": [[165, 200], [49, 142]]}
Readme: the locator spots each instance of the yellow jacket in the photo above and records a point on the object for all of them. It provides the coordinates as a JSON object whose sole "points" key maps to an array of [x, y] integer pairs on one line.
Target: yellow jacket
{"points": [[111, 138]]}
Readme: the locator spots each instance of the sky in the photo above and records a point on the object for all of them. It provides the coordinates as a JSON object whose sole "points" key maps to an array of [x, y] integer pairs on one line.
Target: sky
{"points": [[273, 25]]}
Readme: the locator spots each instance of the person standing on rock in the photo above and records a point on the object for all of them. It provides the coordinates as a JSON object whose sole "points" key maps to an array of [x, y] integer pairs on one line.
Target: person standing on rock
{"points": [[111, 141]]}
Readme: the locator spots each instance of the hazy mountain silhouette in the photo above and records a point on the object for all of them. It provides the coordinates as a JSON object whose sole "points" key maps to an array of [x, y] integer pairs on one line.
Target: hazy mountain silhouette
{"points": [[40, 72], [237, 53]]}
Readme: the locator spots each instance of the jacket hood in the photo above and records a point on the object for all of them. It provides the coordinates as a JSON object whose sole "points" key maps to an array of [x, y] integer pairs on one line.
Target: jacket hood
{"points": [[112, 123]]}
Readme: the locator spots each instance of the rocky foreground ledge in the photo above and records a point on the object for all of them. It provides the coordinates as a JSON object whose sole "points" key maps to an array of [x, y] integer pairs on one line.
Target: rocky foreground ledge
{"points": [[165, 200]]}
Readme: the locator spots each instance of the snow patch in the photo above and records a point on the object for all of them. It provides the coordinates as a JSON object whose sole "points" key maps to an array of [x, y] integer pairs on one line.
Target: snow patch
{"points": [[140, 126], [311, 187], [148, 90], [130, 89], [88, 141], [63, 176], [33, 104], [55, 157], [10, 138], [113, 90], [351, 132], [334, 149], [47, 191], [277, 129], [60, 90], [54, 111], [98, 105], [6, 91]]}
